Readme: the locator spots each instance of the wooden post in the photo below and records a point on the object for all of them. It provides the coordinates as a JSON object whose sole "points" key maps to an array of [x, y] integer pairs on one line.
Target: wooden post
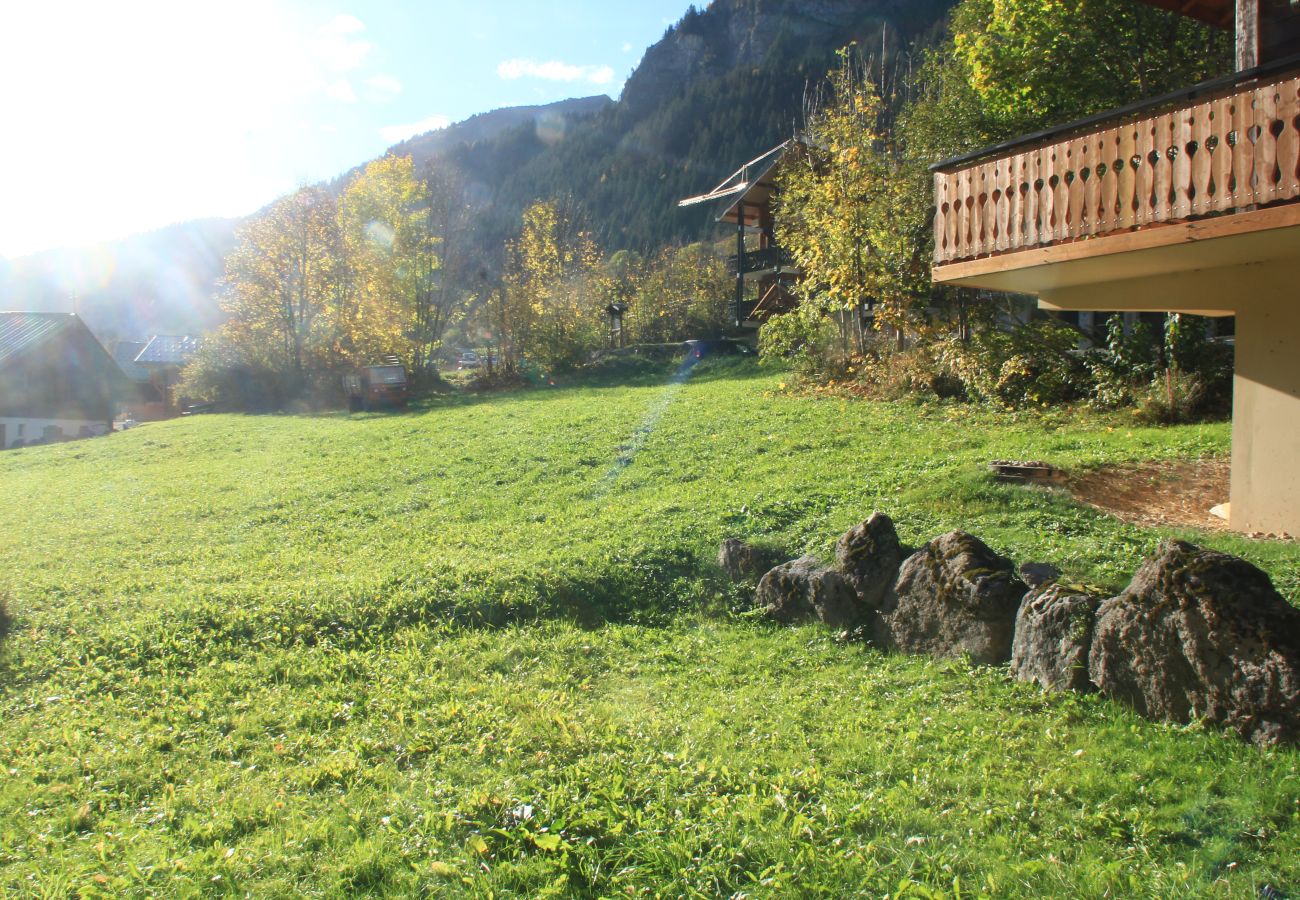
{"points": [[1247, 27], [740, 261]]}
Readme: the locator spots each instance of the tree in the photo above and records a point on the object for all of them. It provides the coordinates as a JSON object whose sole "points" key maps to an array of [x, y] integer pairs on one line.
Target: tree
{"points": [[684, 292], [837, 210], [390, 251], [281, 283], [551, 309]]}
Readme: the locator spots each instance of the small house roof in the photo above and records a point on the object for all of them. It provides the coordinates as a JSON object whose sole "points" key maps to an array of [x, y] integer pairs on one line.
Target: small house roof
{"points": [[124, 354], [22, 331], [168, 350]]}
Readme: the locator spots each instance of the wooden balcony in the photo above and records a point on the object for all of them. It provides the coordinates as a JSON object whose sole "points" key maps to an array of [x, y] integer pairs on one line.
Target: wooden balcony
{"points": [[765, 261], [1228, 149]]}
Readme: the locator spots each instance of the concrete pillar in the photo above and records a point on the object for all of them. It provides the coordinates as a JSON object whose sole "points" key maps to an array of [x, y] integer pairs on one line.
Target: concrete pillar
{"points": [[1266, 416]]}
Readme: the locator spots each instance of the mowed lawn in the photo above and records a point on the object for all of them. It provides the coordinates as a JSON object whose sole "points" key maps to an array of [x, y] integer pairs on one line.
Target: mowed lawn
{"points": [[481, 648]]}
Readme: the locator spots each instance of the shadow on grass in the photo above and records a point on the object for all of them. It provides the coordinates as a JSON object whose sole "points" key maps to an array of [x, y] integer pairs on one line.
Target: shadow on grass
{"points": [[654, 588], [653, 373]]}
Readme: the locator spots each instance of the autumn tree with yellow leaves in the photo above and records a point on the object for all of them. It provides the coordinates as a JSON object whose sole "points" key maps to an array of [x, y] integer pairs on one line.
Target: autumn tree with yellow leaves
{"points": [[317, 285], [551, 306]]}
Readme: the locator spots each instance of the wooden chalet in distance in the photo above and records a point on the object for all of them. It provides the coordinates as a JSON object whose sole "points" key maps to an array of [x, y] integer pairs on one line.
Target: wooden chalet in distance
{"points": [[1185, 203], [57, 381], [765, 272], [164, 357]]}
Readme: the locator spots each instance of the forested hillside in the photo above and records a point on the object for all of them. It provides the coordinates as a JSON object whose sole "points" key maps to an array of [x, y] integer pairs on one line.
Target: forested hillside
{"points": [[721, 87]]}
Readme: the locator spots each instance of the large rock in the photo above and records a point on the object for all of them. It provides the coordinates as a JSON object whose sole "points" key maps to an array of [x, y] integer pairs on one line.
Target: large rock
{"points": [[742, 561], [1053, 635], [869, 555], [804, 589], [1201, 634], [954, 596]]}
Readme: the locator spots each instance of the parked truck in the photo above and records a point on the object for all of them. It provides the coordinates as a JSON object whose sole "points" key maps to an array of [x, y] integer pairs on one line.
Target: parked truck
{"points": [[376, 387]]}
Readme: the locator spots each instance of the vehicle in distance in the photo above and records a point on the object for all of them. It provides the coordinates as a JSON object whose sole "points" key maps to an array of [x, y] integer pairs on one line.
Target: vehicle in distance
{"points": [[377, 386]]}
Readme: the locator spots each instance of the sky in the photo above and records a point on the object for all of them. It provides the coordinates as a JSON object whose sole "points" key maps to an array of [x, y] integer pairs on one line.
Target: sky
{"points": [[122, 117]]}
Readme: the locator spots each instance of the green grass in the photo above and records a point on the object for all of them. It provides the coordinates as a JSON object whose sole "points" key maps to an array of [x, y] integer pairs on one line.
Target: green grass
{"points": [[481, 648]]}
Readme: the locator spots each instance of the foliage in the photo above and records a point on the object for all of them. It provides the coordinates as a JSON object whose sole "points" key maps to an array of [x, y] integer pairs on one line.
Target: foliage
{"points": [[807, 343], [485, 640], [390, 248], [681, 293], [1031, 364], [552, 300], [284, 284], [317, 285]]}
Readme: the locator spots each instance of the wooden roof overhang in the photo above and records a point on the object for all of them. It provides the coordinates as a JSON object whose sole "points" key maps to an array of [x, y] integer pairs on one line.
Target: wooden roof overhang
{"points": [[750, 188]]}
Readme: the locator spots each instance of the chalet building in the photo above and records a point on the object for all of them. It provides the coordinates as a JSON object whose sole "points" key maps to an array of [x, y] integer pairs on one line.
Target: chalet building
{"points": [[56, 380], [765, 272], [163, 358], [1184, 203], [143, 401]]}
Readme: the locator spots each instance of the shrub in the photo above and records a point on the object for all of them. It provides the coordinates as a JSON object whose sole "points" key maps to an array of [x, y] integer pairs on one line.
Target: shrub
{"points": [[1030, 364], [808, 343]]}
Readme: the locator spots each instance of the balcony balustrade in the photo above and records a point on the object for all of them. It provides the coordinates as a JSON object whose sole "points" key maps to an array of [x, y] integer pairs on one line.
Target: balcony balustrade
{"points": [[764, 260], [1225, 147]]}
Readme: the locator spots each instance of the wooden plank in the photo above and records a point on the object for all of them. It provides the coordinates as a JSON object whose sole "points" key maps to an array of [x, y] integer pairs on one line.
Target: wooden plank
{"points": [[984, 203], [1242, 163], [1110, 180], [1288, 142], [1263, 150], [1125, 150], [940, 223], [1221, 156], [1016, 208], [1180, 169], [1002, 204], [1246, 19], [1201, 157]]}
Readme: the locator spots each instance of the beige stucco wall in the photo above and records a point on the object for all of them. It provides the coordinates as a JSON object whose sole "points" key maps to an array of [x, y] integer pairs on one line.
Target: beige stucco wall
{"points": [[34, 429]]}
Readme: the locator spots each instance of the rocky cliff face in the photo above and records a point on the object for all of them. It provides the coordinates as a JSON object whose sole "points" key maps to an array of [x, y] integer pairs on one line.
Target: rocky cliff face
{"points": [[730, 34]]}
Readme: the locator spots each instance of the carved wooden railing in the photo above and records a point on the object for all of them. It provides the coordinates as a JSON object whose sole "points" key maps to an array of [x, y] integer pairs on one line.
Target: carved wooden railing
{"points": [[1230, 148]]}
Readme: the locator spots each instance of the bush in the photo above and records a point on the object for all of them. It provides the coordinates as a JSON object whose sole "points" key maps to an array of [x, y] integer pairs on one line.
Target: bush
{"points": [[896, 374], [1035, 364], [806, 343], [1174, 374]]}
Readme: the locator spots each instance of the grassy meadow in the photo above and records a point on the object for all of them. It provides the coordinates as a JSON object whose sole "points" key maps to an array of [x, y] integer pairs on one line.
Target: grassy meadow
{"points": [[481, 648]]}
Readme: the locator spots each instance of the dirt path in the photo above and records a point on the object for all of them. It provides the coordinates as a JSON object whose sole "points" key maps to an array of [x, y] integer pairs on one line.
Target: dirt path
{"points": [[1173, 492]]}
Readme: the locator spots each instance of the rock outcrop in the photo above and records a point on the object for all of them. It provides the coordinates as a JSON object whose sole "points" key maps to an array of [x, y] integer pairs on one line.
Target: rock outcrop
{"points": [[1053, 636], [954, 596], [1201, 634], [869, 555], [804, 589]]}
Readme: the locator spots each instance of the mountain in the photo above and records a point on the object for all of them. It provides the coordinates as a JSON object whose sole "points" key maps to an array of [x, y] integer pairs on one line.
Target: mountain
{"points": [[486, 126], [161, 281], [723, 85], [164, 281]]}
